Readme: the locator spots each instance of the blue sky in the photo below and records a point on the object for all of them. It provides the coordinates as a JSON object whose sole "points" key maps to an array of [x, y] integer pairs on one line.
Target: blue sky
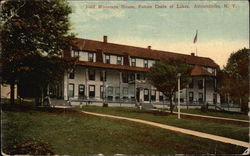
{"points": [[220, 31]]}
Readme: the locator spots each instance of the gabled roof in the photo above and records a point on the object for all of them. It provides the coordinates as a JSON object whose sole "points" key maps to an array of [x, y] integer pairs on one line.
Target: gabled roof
{"points": [[199, 71], [118, 49]]}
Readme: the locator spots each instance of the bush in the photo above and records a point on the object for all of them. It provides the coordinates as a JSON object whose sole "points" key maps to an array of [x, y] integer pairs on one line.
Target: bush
{"points": [[105, 105], [204, 108]]}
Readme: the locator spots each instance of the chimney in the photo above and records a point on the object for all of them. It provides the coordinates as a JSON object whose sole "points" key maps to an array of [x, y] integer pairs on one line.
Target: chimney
{"points": [[105, 39], [149, 47], [192, 54]]}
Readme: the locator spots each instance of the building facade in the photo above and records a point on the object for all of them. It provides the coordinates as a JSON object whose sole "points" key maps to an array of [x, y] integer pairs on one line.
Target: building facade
{"points": [[108, 72]]}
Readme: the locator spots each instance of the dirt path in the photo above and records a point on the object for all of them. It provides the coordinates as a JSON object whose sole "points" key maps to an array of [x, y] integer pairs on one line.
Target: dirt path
{"points": [[181, 130]]}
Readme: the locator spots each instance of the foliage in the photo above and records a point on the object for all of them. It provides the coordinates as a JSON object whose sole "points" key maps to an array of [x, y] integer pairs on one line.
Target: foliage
{"points": [[34, 31], [234, 78], [40, 71], [163, 76]]}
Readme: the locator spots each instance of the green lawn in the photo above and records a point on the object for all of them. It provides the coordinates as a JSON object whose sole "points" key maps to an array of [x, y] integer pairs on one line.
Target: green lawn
{"points": [[61, 131], [221, 129], [216, 114]]}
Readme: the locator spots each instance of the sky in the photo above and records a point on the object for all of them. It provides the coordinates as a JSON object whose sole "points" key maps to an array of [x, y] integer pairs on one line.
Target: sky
{"points": [[221, 31]]}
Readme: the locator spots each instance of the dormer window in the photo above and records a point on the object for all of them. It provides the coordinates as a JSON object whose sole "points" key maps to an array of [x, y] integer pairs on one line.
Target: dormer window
{"points": [[133, 62], [119, 60], [75, 54], [146, 63], [90, 57], [72, 74], [107, 59]]}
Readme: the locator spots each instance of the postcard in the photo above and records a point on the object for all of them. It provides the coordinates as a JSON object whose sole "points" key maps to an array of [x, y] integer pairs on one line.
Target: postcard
{"points": [[124, 77]]}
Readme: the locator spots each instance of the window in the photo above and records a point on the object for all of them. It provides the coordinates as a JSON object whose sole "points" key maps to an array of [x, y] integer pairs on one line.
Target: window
{"points": [[110, 93], [191, 96], [110, 90], [161, 96], [200, 98], [107, 59], [138, 76], [125, 91], [153, 95], [146, 63], [81, 91], [214, 85], [91, 91], [101, 92], [215, 98], [75, 54], [133, 62], [90, 57], [72, 74], [117, 91], [125, 77], [131, 77], [191, 84], [71, 90], [143, 77], [146, 95], [200, 84], [103, 76], [91, 74], [119, 60]]}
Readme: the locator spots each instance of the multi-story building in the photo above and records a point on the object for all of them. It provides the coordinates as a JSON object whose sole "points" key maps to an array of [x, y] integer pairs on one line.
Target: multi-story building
{"points": [[117, 73]]}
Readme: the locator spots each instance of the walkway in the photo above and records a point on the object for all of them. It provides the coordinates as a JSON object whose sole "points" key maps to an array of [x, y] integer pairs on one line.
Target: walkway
{"points": [[212, 117], [181, 130]]}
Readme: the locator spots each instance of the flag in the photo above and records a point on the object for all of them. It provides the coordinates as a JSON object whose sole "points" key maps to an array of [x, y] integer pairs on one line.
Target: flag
{"points": [[195, 38]]}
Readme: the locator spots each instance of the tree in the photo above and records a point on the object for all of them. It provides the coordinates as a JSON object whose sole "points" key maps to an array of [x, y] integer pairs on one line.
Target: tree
{"points": [[36, 29], [163, 76], [234, 78]]}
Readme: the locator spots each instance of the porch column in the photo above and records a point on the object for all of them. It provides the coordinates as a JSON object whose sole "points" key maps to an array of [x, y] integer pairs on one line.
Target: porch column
{"points": [[204, 90], [135, 90], [149, 94], [187, 96], [104, 85], [86, 83], [120, 88], [66, 86]]}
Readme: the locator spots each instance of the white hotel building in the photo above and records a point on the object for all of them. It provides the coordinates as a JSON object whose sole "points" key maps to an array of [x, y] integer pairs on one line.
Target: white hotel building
{"points": [[114, 73]]}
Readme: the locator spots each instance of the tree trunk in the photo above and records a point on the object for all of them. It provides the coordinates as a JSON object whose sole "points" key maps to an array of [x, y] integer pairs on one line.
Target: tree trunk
{"points": [[171, 105], [12, 93], [42, 96]]}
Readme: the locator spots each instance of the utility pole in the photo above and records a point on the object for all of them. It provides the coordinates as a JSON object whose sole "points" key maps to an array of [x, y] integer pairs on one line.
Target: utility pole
{"points": [[179, 84]]}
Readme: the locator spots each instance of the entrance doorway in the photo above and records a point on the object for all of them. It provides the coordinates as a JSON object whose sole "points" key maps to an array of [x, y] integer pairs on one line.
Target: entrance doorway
{"points": [[138, 94]]}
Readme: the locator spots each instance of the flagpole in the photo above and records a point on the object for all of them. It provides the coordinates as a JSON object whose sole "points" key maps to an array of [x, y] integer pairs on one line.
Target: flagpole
{"points": [[195, 40], [196, 51]]}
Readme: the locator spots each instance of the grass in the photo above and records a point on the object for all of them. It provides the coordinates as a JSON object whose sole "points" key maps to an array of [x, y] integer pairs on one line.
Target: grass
{"points": [[222, 129], [217, 114], [63, 131]]}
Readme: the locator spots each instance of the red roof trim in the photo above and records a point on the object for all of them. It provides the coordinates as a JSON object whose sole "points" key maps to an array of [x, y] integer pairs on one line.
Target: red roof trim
{"points": [[111, 66]]}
